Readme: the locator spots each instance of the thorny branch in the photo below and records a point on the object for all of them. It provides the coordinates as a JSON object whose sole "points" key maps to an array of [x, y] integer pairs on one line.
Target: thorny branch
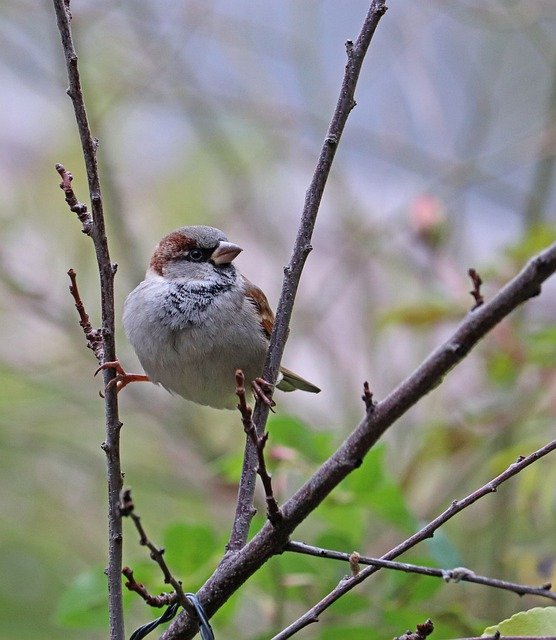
{"points": [[459, 574], [273, 511], [302, 247], [94, 226]]}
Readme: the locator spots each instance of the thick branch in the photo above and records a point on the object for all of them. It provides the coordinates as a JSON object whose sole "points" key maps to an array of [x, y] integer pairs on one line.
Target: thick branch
{"points": [[96, 230], [238, 567], [302, 247]]}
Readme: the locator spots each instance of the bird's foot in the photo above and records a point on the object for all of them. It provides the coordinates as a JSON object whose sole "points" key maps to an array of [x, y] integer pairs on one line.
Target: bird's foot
{"points": [[122, 378], [262, 390]]}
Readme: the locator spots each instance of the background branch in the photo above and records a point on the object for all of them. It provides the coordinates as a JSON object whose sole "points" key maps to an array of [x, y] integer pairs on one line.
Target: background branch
{"points": [[426, 532], [460, 574], [302, 247], [96, 229]]}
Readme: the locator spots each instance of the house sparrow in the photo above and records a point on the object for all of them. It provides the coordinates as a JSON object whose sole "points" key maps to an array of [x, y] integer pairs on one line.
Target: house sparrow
{"points": [[195, 319]]}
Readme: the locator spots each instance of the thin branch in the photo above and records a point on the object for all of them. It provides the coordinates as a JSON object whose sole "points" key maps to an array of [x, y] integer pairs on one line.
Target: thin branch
{"points": [[302, 247], [77, 207], [367, 397], [459, 574], [93, 336], [162, 600], [96, 230], [127, 509], [422, 631], [476, 291], [426, 532], [237, 567], [259, 442]]}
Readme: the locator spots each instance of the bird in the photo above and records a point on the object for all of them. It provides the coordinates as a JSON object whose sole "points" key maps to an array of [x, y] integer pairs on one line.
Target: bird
{"points": [[195, 320]]}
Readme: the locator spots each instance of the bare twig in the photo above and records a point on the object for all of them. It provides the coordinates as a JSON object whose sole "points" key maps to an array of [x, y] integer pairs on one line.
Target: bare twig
{"points": [[163, 600], [127, 509], [236, 567], [94, 336], [422, 631], [77, 207], [367, 397], [460, 574], [426, 532], [302, 247], [96, 230], [259, 442], [476, 292]]}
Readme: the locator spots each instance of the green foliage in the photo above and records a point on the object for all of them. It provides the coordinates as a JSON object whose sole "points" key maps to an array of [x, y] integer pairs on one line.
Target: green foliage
{"points": [[540, 621], [83, 603]]}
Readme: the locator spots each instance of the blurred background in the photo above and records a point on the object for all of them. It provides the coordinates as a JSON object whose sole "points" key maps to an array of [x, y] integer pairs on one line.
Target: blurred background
{"points": [[214, 113]]}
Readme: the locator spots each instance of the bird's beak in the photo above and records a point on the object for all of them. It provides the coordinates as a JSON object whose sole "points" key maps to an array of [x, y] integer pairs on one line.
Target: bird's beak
{"points": [[225, 252]]}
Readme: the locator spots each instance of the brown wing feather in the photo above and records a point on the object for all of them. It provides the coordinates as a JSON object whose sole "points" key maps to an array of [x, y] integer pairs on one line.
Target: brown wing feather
{"points": [[289, 380], [258, 298]]}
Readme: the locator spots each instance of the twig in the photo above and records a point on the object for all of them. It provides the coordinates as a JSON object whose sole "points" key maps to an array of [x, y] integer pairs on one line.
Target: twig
{"points": [[237, 567], [460, 574], [426, 532], [273, 511], [302, 247], [367, 397], [163, 600], [476, 292], [94, 336], [127, 509], [77, 207], [96, 230], [422, 631]]}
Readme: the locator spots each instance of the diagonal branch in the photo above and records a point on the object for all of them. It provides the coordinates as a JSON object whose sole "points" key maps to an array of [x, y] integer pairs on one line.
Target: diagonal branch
{"points": [[236, 568], [426, 532], [302, 247], [96, 229]]}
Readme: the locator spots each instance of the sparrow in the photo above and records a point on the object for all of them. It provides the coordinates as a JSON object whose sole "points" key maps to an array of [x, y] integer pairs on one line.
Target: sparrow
{"points": [[195, 319]]}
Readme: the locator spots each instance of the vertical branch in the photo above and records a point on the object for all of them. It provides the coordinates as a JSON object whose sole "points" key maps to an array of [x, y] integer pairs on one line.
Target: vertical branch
{"points": [[302, 247], [111, 445]]}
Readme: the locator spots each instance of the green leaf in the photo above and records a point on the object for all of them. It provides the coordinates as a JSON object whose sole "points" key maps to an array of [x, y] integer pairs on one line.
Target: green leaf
{"points": [[540, 621], [421, 314], [84, 604], [189, 547], [537, 238], [442, 550], [541, 347], [289, 431]]}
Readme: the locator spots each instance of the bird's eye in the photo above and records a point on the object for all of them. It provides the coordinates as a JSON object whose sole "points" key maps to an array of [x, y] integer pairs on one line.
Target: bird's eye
{"points": [[196, 255]]}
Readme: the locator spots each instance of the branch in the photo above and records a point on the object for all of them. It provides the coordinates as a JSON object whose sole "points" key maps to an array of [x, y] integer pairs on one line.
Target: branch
{"points": [[302, 247], [460, 574], [259, 442], [95, 227], [422, 631], [127, 509], [476, 292], [237, 567], [93, 336], [426, 532]]}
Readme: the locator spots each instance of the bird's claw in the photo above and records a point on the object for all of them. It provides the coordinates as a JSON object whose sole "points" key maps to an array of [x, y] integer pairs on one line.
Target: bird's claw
{"points": [[122, 378], [262, 390]]}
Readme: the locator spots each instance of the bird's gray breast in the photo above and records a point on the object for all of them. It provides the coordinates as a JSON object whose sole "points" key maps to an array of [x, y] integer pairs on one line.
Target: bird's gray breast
{"points": [[188, 305]]}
